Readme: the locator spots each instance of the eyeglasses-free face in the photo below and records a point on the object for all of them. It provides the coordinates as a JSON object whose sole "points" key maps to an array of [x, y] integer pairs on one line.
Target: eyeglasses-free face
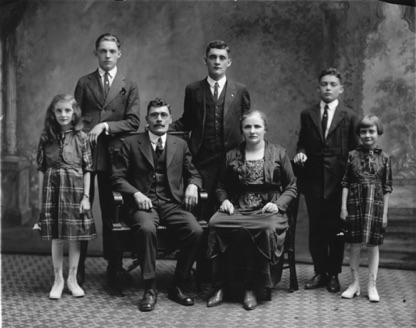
{"points": [[159, 119]]}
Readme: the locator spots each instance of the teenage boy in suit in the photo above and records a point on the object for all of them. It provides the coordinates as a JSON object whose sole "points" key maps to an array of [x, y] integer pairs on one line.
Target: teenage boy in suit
{"points": [[152, 170], [110, 109], [327, 134], [212, 111]]}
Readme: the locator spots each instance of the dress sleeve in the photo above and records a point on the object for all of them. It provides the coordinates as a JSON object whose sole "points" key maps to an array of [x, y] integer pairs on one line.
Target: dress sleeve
{"points": [[388, 177], [86, 156], [41, 157], [288, 181], [345, 182]]}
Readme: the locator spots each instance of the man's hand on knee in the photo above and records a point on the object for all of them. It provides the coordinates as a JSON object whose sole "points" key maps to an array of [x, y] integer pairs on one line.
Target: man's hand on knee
{"points": [[142, 201]]}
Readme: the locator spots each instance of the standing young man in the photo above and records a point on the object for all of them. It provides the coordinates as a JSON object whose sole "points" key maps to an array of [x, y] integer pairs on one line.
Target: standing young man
{"points": [[110, 108], [212, 111], [327, 134]]}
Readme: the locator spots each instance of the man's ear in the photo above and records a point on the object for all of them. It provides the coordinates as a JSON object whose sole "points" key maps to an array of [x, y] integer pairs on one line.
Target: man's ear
{"points": [[119, 53], [205, 60]]}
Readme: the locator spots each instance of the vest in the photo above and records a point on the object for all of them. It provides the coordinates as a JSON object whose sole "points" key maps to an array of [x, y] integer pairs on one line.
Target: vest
{"points": [[160, 185], [213, 138]]}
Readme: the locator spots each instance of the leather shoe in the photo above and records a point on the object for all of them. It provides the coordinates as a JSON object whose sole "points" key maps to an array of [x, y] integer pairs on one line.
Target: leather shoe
{"points": [[216, 298], [148, 301], [81, 276], [317, 281], [250, 301], [176, 294], [333, 284]]}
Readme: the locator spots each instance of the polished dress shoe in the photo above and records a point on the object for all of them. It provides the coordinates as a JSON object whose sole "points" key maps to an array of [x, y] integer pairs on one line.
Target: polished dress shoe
{"points": [[216, 298], [148, 301], [176, 294], [317, 281], [250, 300], [333, 284]]}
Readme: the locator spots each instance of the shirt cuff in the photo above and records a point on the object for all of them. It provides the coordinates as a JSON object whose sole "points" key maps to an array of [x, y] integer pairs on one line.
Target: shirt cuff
{"points": [[107, 128]]}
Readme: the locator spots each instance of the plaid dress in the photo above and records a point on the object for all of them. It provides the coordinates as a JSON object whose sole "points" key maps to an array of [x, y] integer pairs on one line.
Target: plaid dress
{"points": [[368, 177], [63, 162]]}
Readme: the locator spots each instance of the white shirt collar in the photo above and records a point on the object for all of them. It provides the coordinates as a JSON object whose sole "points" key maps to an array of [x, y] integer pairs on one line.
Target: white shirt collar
{"points": [[111, 72], [221, 82], [153, 139], [332, 105]]}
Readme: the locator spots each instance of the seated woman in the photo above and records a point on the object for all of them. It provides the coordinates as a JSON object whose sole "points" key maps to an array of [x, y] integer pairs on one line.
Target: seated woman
{"points": [[247, 234]]}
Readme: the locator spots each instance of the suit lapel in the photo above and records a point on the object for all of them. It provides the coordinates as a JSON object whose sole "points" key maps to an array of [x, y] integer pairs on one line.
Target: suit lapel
{"points": [[338, 116], [145, 147], [316, 119], [170, 150], [230, 93], [96, 87], [116, 87]]}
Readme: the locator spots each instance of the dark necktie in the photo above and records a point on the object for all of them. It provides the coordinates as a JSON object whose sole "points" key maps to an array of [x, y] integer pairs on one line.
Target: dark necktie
{"points": [[216, 91], [324, 120], [159, 147], [106, 84]]}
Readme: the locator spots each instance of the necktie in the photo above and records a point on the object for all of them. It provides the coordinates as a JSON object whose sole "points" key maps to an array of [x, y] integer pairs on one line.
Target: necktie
{"points": [[159, 147], [106, 84], [216, 91], [324, 120]]}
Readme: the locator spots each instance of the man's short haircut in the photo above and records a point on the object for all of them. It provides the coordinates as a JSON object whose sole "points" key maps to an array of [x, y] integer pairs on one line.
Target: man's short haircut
{"points": [[368, 121], [217, 44], [107, 37], [158, 102], [330, 71]]}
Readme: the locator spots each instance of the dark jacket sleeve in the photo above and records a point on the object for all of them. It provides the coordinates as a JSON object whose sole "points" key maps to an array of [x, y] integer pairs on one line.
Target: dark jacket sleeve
{"points": [[131, 121]]}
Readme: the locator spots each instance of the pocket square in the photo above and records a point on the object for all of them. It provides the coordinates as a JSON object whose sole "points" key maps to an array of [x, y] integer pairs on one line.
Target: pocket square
{"points": [[123, 91]]}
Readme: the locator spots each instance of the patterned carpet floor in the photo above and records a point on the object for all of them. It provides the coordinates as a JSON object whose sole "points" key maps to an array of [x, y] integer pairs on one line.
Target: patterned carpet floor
{"points": [[27, 279]]}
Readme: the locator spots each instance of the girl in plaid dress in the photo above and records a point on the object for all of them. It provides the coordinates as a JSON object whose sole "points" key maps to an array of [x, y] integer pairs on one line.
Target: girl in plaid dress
{"points": [[367, 185], [64, 164]]}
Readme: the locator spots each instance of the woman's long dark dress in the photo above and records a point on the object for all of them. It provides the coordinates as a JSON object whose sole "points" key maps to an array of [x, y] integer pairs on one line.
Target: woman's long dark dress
{"points": [[249, 243]]}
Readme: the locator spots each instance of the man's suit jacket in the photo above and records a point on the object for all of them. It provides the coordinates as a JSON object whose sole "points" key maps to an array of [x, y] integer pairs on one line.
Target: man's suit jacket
{"points": [[120, 110], [327, 159], [134, 169], [237, 101]]}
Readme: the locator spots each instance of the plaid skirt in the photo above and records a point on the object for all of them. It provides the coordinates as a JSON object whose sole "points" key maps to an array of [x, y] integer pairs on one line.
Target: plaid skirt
{"points": [[365, 213], [63, 189]]}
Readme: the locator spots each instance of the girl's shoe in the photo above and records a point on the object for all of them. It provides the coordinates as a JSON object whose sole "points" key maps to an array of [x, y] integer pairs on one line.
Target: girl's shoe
{"points": [[57, 288], [372, 290], [352, 290], [73, 287]]}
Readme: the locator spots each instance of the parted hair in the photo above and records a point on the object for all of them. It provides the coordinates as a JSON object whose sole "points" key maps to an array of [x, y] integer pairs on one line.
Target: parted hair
{"points": [[107, 37], [330, 71], [158, 102], [217, 44]]}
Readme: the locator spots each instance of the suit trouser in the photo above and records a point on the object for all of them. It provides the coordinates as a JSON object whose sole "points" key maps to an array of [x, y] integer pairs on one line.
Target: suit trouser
{"points": [[327, 249], [182, 224], [107, 210]]}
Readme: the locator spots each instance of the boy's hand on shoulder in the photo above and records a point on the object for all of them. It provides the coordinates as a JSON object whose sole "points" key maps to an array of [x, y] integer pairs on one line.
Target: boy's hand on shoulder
{"points": [[300, 159]]}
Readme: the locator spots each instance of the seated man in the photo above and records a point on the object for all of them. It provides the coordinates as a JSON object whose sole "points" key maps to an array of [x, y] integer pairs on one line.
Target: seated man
{"points": [[151, 171]]}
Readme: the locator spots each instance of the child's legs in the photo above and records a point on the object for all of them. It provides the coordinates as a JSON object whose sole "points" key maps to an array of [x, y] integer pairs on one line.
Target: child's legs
{"points": [[74, 253], [355, 252], [373, 260], [57, 256]]}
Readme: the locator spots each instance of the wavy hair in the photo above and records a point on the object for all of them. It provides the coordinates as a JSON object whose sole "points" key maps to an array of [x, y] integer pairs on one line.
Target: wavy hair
{"points": [[51, 127]]}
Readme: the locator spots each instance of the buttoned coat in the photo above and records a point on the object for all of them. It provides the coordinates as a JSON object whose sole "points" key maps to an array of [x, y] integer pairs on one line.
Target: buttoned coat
{"points": [[327, 158], [134, 168], [120, 110], [237, 101]]}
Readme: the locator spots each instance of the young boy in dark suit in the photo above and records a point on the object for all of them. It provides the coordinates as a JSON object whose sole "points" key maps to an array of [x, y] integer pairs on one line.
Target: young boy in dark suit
{"points": [[110, 108], [327, 134]]}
